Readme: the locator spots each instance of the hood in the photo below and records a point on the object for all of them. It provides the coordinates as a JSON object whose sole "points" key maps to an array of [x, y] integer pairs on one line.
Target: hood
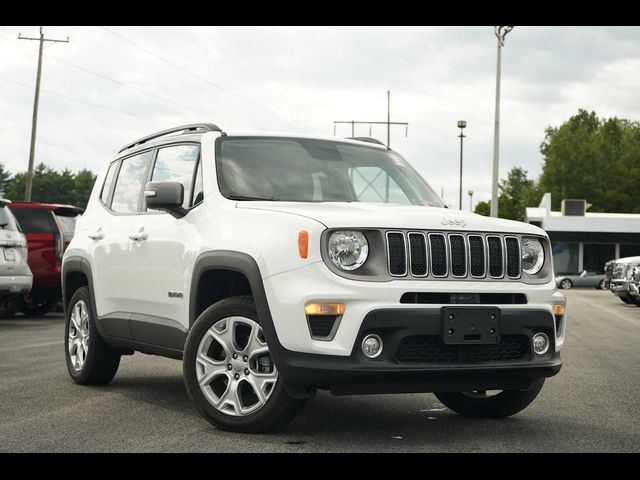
{"points": [[378, 215]]}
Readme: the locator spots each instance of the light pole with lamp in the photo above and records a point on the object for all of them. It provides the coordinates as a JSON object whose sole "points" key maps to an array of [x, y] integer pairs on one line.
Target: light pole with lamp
{"points": [[462, 124], [470, 192], [501, 33]]}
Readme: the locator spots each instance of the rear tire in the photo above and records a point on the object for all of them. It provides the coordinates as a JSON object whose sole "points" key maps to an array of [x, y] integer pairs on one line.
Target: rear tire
{"points": [[601, 285], [36, 307], [566, 284], [504, 404], [9, 305], [222, 373], [90, 360]]}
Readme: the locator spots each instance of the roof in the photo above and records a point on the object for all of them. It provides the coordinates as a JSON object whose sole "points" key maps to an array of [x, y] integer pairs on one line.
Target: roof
{"points": [[62, 208]]}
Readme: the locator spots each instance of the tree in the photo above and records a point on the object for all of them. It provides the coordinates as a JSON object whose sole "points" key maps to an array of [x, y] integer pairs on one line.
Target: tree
{"points": [[4, 178], [595, 159], [517, 193]]}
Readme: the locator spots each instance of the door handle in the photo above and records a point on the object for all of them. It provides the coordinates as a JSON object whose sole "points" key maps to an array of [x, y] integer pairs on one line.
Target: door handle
{"points": [[138, 237], [96, 236]]}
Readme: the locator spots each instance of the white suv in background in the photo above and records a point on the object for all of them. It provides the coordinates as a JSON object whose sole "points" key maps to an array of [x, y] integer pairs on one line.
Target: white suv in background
{"points": [[275, 265]]}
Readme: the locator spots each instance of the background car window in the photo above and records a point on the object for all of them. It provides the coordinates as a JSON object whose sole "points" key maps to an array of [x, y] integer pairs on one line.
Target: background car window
{"points": [[35, 220], [7, 220], [176, 164], [130, 183], [68, 223], [106, 188]]}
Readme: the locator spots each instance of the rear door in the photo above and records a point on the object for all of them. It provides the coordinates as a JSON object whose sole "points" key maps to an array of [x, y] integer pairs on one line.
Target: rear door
{"points": [[44, 241]]}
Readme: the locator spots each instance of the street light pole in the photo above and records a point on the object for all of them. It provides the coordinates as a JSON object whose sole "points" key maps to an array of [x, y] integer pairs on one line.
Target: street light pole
{"points": [[501, 33], [470, 192], [461, 125]]}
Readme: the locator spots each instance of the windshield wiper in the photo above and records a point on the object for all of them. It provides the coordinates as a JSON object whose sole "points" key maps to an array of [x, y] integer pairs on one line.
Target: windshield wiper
{"points": [[245, 197]]}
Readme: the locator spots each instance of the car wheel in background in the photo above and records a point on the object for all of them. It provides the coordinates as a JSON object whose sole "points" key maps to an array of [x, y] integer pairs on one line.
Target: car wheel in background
{"points": [[36, 307], [9, 305], [601, 285], [566, 284]]}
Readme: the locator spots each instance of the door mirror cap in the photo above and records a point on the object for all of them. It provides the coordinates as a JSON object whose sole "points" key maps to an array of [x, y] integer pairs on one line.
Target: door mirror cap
{"points": [[165, 196]]}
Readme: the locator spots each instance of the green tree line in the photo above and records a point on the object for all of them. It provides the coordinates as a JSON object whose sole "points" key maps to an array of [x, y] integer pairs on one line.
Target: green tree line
{"points": [[597, 159], [49, 185]]}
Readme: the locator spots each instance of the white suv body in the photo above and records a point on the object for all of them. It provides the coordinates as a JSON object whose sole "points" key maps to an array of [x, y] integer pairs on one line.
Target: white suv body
{"points": [[172, 279]]}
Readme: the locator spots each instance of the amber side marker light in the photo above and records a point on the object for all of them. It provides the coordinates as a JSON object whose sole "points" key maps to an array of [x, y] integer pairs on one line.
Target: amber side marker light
{"points": [[324, 309], [558, 310], [303, 243]]}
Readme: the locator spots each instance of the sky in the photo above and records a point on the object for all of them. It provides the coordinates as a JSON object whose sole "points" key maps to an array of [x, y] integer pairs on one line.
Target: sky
{"points": [[111, 85]]}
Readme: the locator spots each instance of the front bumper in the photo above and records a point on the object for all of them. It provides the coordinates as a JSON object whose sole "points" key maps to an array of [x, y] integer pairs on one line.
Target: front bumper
{"points": [[374, 307], [15, 283], [621, 287]]}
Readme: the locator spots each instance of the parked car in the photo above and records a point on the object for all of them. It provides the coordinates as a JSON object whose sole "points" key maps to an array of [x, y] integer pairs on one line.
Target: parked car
{"points": [[621, 278], [15, 275], [583, 279], [48, 229], [608, 273], [275, 265]]}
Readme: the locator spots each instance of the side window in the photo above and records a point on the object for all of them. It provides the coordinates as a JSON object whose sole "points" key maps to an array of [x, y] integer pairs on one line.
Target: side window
{"points": [[373, 184], [130, 183], [108, 181], [198, 187], [177, 164]]}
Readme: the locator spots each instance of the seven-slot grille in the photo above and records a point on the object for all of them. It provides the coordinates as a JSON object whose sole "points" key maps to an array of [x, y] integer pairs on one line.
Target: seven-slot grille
{"points": [[453, 255]]}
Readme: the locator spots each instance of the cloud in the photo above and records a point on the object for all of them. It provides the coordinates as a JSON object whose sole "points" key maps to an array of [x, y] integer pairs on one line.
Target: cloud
{"points": [[301, 79]]}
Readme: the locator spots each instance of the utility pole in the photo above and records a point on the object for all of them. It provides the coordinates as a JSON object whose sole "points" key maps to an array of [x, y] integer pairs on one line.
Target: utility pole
{"points": [[34, 124], [388, 123], [461, 125], [501, 33]]}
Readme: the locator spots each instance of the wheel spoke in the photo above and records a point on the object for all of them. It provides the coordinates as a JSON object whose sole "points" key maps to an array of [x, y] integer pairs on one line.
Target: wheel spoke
{"points": [[230, 397], [211, 369], [254, 343]]}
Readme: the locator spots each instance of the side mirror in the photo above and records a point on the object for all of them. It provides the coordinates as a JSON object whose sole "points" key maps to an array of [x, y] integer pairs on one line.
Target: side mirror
{"points": [[165, 196]]}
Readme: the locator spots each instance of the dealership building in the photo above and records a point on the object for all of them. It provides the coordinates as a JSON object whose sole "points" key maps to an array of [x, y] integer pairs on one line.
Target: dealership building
{"points": [[582, 240]]}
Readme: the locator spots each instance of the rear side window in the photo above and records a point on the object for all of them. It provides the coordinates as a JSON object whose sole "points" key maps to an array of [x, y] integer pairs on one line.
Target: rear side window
{"points": [[130, 183], [177, 164], [67, 223], [36, 220], [108, 181], [7, 220]]}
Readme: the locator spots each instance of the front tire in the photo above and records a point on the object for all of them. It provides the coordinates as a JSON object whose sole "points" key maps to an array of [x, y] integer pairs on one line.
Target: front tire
{"points": [[229, 373], [90, 360], [9, 305], [601, 285], [481, 405]]}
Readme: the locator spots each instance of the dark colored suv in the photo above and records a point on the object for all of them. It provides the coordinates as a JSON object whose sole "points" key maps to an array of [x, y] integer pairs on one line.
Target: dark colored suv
{"points": [[48, 229]]}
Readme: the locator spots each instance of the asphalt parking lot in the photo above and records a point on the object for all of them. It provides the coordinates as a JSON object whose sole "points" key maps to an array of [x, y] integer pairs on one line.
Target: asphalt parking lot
{"points": [[593, 404]]}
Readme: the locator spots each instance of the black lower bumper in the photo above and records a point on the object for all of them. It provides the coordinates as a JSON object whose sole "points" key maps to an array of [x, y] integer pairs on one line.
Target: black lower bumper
{"points": [[357, 374]]}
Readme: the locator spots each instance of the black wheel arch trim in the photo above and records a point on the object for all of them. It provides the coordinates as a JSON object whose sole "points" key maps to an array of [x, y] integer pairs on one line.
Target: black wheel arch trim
{"points": [[77, 263]]}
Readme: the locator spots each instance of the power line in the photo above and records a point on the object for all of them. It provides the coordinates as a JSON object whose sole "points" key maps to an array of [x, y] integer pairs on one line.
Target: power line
{"points": [[74, 99], [208, 82]]}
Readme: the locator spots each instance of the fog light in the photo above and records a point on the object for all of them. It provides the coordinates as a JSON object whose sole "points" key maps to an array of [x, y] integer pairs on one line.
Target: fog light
{"points": [[540, 343], [372, 346]]}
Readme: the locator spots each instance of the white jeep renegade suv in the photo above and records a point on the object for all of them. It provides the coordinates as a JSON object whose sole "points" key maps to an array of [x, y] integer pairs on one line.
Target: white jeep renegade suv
{"points": [[275, 265]]}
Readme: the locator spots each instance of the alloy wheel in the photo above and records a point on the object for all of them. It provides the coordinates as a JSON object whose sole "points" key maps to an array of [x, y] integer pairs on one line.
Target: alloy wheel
{"points": [[78, 338], [234, 368]]}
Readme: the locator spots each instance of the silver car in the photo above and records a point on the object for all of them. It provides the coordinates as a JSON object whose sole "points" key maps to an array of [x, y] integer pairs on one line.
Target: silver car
{"points": [[583, 279], [15, 275]]}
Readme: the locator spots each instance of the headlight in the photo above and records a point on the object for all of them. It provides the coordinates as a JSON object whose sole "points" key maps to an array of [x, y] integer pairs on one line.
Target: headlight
{"points": [[532, 255], [348, 250]]}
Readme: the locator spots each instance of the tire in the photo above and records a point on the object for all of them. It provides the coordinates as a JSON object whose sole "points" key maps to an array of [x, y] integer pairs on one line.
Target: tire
{"points": [[566, 284], [601, 285], [37, 307], [9, 305], [90, 360], [504, 404], [625, 299], [230, 320]]}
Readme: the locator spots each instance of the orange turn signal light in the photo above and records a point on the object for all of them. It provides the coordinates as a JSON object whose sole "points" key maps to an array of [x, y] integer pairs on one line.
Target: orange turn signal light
{"points": [[303, 243], [324, 309], [558, 310]]}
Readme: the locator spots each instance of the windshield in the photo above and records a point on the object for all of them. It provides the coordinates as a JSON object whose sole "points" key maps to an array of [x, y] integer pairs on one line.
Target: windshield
{"points": [[306, 170]]}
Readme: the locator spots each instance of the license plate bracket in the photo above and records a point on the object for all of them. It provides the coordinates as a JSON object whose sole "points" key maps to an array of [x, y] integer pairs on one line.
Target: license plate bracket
{"points": [[470, 326], [9, 254]]}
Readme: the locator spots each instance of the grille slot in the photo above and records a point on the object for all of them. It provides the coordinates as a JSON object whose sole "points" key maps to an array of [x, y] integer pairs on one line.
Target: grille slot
{"points": [[477, 258], [418, 254], [321, 326], [397, 254], [438, 248], [430, 349], [458, 256], [513, 256], [496, 268]]}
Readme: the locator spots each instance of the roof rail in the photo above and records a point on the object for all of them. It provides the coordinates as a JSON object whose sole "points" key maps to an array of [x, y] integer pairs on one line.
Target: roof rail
{"points": [[366, 139], [191, 128]]}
